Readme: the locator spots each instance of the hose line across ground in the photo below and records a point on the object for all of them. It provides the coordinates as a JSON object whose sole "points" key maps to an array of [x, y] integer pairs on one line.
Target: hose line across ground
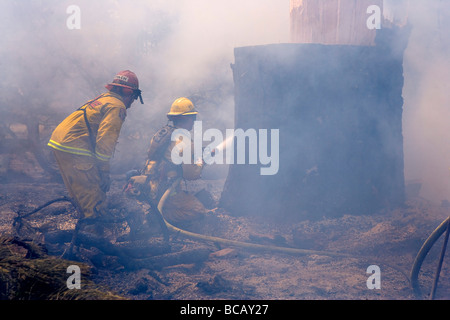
{"points": [[258, 247], [421, 255], [253, 246], [271, 248], [246, 245]]}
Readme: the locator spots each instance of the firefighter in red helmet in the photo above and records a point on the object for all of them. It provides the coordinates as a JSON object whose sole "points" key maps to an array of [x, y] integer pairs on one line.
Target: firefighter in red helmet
{"points": [[84, 143]]}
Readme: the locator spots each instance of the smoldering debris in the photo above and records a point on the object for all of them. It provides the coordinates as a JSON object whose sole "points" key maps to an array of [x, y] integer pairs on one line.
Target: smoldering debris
{"points": [[194, 269], [49, 70], [28, 272]]}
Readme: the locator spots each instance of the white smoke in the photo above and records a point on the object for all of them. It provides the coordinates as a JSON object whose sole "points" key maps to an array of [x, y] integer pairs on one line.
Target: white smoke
{"points": [[176, 48], [426, 99], [185, 47]]}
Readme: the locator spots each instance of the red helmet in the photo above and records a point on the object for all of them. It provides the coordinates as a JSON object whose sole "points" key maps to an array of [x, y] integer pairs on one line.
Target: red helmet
{"points": [[126, 79]]}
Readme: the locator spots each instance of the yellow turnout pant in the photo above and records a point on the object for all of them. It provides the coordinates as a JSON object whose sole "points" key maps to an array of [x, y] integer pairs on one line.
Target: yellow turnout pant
{"points": [[82, 180]]}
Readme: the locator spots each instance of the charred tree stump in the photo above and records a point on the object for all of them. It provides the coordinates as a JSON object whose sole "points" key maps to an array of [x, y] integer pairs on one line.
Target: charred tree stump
{"points": [[338, 109]]}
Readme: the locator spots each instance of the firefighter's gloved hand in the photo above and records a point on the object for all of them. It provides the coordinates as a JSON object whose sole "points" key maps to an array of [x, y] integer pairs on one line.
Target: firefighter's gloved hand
{"points": [[131, 173], [105, 181]]}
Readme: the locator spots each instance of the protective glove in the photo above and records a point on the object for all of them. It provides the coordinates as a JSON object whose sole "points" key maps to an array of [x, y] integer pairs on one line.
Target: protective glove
{"points": [[131, 173], [105, 180]]}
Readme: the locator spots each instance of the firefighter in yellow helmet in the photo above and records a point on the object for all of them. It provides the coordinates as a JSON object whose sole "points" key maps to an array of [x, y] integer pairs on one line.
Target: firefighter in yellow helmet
{"points": [[84, 143], [160, 171]]}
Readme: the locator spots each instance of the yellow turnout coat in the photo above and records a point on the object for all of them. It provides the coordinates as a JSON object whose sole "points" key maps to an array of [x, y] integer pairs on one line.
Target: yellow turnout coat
{"points": [[83, 144]]}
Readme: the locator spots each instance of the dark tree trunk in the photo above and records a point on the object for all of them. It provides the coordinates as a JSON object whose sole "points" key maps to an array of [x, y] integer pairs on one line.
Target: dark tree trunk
{"points": [[339, 114]]}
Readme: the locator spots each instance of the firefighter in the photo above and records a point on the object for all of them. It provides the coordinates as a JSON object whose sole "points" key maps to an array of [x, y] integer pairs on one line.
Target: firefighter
{"points": [[84, 143], [160, 171]]}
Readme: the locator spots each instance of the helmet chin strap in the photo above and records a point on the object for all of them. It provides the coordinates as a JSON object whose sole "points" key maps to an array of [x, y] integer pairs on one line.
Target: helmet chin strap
{"points": [[134, 93], [139, 95]]}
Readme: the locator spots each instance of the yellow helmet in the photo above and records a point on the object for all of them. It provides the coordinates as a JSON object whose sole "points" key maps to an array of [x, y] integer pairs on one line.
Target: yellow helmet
{"points": [[182, 107]]}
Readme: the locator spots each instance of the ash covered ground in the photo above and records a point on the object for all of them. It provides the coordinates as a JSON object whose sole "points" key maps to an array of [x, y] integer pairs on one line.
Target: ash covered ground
{"points": [[389, 239]]}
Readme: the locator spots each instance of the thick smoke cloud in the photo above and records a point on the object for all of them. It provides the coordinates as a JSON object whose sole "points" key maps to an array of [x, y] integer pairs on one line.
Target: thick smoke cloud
{"points": [[426, 99], [176, 47], [184, 48]]}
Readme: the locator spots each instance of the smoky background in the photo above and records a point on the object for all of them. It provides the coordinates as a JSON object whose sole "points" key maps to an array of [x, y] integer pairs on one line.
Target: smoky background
{"points": [[176, 48], [185, 48], [426, 100]]}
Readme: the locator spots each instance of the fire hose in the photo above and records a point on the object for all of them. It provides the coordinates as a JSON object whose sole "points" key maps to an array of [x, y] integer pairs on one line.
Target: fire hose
{"points": [[426, 247], [254, 246], [246, 245], [412, 278]]}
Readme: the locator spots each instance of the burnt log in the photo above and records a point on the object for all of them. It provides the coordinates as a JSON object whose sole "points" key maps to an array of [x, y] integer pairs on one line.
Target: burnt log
{"points": [[124, 250], [196, 256]]}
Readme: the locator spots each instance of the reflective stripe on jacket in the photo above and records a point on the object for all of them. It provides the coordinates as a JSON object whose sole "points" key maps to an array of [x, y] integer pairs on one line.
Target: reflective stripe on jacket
{"points": [[105, 114]]}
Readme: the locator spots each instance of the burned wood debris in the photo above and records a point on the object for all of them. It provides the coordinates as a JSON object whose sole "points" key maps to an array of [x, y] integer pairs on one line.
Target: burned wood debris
{"points": [[27, 272], [149, 268], [335, 199], [43, 250], [132, 235]]}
